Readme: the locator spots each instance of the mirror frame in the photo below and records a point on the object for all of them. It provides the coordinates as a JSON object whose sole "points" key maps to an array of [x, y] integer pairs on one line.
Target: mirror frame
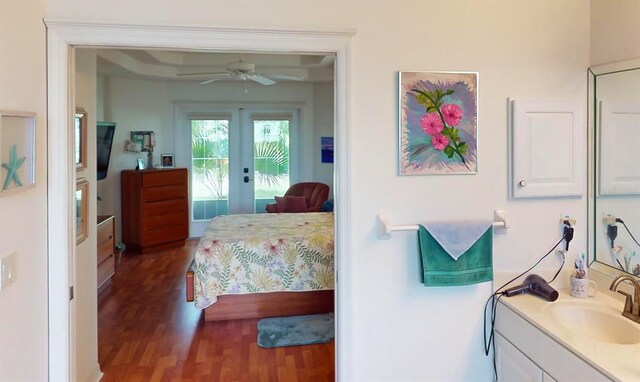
{"points": [[82, 208], [592, 73], [81, 132]]}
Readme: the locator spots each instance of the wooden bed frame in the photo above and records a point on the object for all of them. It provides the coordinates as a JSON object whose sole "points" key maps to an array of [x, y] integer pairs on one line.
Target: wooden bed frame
{"points": [[259, 305]]}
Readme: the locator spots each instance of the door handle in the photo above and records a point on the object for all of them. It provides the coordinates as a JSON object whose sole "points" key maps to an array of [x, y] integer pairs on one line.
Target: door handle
{"points": [[246, 179]]}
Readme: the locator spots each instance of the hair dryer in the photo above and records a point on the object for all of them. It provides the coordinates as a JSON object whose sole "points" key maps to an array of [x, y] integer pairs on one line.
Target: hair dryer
{"points": [[536, 285]]}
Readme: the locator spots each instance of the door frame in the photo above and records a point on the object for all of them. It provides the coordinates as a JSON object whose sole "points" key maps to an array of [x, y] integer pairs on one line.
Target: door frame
{"points": [[301, 115], [62, 37], [246, 152]]}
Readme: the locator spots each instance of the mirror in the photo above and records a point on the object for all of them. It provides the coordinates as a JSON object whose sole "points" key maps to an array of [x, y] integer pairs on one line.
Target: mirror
{"points": [[614, 183]]}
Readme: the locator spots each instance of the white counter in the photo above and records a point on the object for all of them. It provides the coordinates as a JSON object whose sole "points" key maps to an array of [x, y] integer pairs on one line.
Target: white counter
{"points": [[613, 361]]}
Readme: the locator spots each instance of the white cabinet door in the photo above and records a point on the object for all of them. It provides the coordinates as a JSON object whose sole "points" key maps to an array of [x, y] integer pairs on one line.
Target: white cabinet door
{"points": [[548, 148], [512, 365], [547, 378], [619, 128]]}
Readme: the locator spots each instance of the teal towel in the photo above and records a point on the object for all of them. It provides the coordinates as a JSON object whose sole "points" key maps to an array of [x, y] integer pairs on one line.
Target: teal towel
{"points": [[440, 269]]}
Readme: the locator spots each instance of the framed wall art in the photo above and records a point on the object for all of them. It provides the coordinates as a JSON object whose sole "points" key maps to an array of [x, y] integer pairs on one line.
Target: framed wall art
{"points": [[438, 122], [80, 137], [17, 151], [82, 196], [146, 140], [326, 149]]}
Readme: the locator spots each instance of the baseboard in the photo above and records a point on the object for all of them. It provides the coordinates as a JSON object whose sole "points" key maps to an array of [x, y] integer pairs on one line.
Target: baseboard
{"points": [[97, 376]]}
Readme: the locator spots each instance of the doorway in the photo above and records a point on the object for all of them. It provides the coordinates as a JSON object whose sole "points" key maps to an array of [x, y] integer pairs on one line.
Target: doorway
{"points": [[239, 159], [62, 37]]}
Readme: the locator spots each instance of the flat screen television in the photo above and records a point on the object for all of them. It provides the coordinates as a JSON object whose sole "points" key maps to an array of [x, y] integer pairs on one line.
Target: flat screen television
{"points": [[104, 133]]}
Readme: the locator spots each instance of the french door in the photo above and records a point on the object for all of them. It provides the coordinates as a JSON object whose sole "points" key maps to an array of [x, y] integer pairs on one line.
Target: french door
{"points": [[240, 160]]}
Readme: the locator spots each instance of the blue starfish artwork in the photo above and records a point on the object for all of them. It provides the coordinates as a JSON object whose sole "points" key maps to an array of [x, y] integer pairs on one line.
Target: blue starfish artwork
{"points": [[12, 166]]}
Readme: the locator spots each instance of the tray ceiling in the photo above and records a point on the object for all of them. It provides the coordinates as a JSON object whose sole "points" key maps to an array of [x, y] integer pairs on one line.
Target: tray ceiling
{"points": [[173, 65]]}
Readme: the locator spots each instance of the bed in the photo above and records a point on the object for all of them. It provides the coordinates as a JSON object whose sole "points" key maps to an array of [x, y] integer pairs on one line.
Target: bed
{"points": [[264, 265]]}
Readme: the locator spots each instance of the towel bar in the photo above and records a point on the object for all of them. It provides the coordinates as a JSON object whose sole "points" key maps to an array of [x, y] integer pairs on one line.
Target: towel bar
{"points": [[500, 220]]}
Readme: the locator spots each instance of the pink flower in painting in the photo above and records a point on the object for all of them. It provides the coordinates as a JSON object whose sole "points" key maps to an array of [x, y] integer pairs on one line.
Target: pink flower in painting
{"points": [[451, 113], [439, 142], [431, 123]]}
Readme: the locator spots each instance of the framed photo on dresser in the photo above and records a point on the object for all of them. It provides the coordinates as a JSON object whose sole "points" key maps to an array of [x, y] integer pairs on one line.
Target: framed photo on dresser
{"points": [[167, 160]]}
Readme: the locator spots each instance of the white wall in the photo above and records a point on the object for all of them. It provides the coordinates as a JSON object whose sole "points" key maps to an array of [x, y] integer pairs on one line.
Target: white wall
{"points": [[397, 329], [322, 127], [23, 216], [615, 30], [136, 104], [101, 90], [139, 106], [86, 300], [536, 49]]}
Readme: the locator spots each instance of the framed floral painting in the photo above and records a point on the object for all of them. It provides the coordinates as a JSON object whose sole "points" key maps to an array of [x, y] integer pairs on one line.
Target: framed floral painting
{"points": [[438, 123]]}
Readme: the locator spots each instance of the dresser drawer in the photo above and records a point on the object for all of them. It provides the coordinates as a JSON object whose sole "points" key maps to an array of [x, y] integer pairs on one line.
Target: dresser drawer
{"points": [[164, 178], [154, 222], [164, 207], [104, 250], [106, 269], [163, 193], [165, 234], [105, 231]]}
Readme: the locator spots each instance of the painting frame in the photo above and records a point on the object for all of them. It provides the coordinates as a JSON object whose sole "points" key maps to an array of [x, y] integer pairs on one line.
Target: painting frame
{"points": [[146, 140], [167, 161], [17, 151], [82, 210], [80, 138], [437, 123]]}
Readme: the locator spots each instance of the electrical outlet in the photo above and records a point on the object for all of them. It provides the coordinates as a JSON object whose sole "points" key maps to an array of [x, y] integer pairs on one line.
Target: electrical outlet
{"points": [[566, 218], [609, 219], [7, 270]]}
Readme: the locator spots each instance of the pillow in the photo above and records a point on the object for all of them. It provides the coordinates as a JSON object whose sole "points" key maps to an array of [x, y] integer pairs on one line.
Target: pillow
{"points": [[327, 206], [281, 203], [296, 204]]}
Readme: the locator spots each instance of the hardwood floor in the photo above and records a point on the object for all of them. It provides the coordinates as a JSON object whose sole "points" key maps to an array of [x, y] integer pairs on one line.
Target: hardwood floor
{"points": [[148, 332]]}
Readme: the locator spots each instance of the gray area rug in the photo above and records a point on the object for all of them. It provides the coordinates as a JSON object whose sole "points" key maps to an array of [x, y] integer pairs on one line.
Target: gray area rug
{"points": [[295, 330]]}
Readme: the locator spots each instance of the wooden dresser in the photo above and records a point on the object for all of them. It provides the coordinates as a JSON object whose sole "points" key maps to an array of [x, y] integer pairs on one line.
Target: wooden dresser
{"points": [[155, 211], [106, 257]]}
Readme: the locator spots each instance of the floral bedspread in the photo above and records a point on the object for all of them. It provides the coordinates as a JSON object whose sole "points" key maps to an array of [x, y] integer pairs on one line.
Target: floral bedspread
{"points": [[240, 254]]}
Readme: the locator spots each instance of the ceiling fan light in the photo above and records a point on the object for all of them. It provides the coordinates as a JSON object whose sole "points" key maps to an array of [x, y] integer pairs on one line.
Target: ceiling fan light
{"points": [[241, 66]]}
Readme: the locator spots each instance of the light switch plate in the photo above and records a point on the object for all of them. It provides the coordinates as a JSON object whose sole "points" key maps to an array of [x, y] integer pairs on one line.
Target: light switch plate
{"points": [[7, 270]]}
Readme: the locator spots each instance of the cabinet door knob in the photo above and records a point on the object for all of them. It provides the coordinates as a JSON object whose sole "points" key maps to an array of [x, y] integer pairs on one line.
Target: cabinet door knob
{"points": [[522, 183]]}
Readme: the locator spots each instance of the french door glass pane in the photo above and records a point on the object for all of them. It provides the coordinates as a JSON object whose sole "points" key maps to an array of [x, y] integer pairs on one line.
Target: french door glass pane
{"points": [[271, 160], [210, 168]]}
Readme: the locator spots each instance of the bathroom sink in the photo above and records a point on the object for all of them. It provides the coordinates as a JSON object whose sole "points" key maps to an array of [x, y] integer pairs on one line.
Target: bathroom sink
{"points": [[595, 321]]}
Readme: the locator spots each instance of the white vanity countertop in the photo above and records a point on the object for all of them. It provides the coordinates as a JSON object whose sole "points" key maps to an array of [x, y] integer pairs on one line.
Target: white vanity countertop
{"points": [[617, 361]]}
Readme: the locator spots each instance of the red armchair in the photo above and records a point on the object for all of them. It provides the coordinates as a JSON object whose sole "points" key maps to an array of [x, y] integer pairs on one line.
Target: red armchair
{"points": [[314, 193]]}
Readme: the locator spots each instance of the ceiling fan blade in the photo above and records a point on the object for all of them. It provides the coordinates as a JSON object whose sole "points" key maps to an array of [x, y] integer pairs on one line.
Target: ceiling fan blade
{"points": [[286, 77], [261, 79], [199, 74], [210, 80]]}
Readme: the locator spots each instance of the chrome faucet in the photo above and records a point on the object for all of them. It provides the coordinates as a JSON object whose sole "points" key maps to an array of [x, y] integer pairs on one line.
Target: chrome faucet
{"points": [[631, 304]]}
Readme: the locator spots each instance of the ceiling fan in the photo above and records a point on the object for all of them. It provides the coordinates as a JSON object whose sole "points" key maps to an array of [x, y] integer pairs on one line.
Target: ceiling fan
{"points": [[243, 70]]}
